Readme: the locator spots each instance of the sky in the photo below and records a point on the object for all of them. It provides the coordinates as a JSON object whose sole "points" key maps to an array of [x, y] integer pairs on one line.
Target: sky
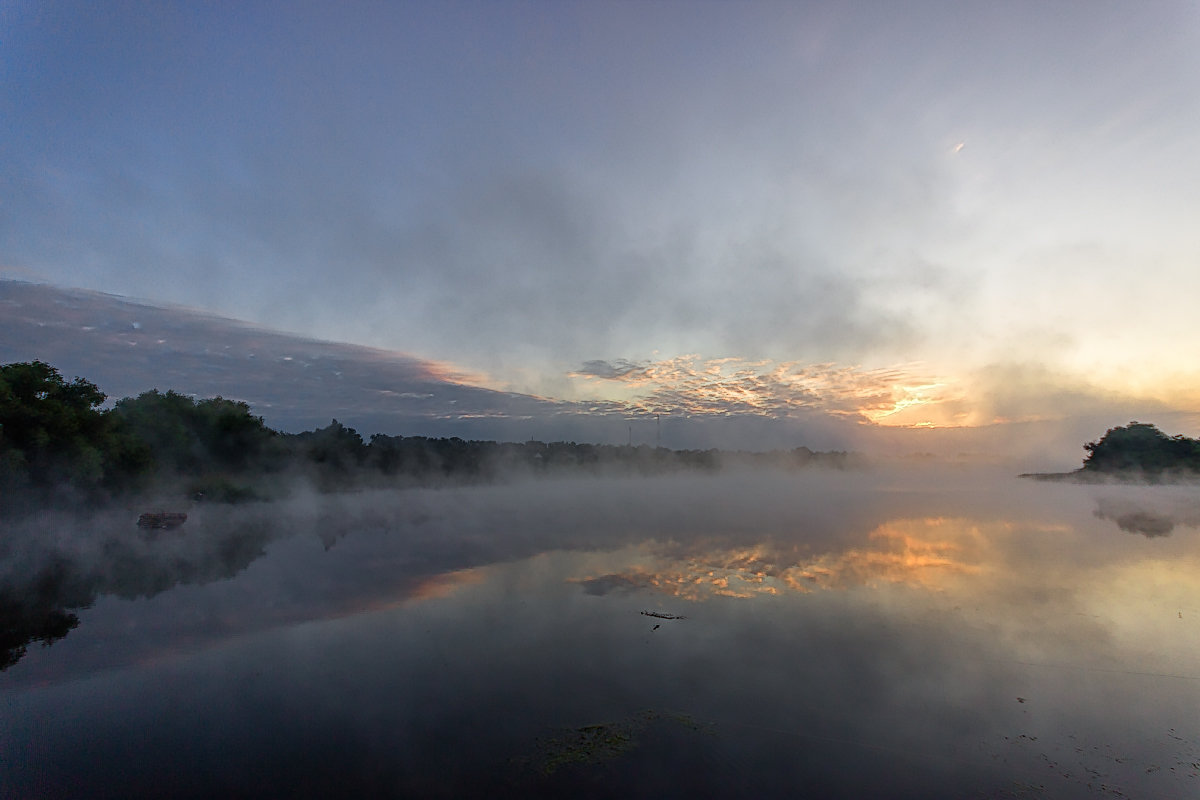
{"points": [[918, 215]]}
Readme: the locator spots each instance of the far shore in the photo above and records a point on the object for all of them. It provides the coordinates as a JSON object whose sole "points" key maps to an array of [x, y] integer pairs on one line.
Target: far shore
{"points": [[1089, 476]]}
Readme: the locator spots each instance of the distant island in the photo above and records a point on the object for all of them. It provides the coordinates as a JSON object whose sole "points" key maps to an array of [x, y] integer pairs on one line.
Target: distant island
{"points": [[59, 448], [1135, 453]]}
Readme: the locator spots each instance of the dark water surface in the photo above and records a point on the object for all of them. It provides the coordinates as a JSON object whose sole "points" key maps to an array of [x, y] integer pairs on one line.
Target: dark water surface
{"points": [[915, 634]]}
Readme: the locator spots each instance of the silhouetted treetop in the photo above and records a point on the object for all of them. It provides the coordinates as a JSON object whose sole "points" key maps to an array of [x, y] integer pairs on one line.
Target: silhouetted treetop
{"points": [[189, 435], [53, 433], [1140, 446]]}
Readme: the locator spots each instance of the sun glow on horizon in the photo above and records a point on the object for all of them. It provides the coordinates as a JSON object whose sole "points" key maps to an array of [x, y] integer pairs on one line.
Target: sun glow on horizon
{"points": [[909, 395], [899, 396]]}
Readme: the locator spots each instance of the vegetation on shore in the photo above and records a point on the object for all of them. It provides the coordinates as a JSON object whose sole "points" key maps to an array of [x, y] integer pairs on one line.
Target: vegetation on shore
{"points": [[59, 447], [1139, 452]]}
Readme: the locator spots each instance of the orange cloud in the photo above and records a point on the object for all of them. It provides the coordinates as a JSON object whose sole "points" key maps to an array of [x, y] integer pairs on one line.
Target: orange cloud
{"points": [[902, 395], [444, 585]]}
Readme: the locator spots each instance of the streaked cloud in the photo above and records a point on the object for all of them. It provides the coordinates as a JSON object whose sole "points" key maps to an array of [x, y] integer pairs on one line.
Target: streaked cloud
{"points": [[902, 396], [298, 383], [730, 386], [294, 382]]}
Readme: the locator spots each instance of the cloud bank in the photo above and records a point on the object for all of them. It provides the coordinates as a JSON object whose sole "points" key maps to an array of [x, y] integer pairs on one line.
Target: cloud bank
{"points": [[1008, 411]]}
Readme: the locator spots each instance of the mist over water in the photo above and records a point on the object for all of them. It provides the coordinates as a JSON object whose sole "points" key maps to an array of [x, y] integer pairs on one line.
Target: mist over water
{"points": [[916, 632]]}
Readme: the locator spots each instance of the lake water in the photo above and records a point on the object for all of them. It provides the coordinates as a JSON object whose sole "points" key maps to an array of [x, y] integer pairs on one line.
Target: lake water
{"points": [[909, 633]]}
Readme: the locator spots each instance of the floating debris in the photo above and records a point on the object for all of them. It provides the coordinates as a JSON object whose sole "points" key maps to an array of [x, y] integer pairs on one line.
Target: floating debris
{"points": [[660, 615], [594, 744], [162, 519], [590, 744]]}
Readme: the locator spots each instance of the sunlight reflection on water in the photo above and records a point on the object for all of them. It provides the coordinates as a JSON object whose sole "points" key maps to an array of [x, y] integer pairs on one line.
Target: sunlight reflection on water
{"points": [[846, 635]]}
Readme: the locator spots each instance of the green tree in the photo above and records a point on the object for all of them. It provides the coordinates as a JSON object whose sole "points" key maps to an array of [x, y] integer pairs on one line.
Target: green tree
{"points": [[335, 446], [190, 436], [1141, 446], [53, 433]]}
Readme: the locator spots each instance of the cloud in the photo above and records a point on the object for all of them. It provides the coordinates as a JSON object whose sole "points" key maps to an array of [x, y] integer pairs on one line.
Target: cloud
{"points": [[1004, 409], [298, 383], [734, 386], [410, 180], [610, 370], [406, 205], [127, 348]]}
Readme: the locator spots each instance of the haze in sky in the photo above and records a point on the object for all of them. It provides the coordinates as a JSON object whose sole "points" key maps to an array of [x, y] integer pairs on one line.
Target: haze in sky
{"points": [[924, 214]]}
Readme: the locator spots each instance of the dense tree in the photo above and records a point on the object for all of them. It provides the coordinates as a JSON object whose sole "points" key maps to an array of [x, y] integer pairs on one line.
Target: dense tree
{"points": [[1140, 446], [405, 455], [53, 433], [335, 446], [192, 436]]}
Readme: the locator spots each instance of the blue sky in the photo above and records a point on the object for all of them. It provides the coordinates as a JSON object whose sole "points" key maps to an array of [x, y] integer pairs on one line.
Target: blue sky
{"points": [[974, 213]]}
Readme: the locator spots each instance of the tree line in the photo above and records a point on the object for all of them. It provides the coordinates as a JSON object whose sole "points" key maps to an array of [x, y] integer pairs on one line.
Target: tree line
{"points": [[58, 445]]}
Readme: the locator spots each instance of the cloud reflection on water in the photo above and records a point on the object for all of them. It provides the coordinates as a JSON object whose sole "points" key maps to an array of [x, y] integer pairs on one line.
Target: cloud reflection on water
{"points": [[742, 534], [442, 632], [922, 552]]}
